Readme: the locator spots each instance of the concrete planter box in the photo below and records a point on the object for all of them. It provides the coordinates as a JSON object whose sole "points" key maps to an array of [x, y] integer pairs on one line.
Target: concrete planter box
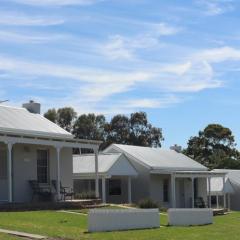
{"points": [[190, 216], [100, 220]]}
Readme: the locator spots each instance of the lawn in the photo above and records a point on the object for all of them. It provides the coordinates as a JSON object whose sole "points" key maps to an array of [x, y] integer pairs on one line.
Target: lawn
{"points": [[73, 226]]}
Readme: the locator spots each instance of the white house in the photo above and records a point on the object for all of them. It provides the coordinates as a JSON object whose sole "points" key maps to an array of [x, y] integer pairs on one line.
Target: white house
{"points": [[226, 192], [34, 148], [115, 172], [166, 176]]}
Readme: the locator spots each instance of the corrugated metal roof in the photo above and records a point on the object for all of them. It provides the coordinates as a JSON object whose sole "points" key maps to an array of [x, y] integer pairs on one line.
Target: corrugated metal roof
{"points": [[232, 178], [157, 158], [21, 121], [85, 164]]}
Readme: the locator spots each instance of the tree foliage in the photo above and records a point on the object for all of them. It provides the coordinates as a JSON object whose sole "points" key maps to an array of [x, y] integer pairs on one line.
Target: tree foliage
{"points": [[90, 126], [64, 117], [214, 147], [51, 115], [133, 130]]}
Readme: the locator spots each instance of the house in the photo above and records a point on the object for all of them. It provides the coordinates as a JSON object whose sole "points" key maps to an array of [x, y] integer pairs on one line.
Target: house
{"points": [[34, 148], [226, 192], [167, 177], [115, 172]]}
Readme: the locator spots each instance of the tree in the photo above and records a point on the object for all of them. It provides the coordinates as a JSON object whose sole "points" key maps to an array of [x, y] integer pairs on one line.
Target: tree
{"points": [[90, 127], [142, 133], [66, 117], [117, 130], [214, 147], [133, 131], [51, 115]]}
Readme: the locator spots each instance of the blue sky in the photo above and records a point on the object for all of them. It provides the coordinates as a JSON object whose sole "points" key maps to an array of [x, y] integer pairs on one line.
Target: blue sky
{"points": [[177, 60]]}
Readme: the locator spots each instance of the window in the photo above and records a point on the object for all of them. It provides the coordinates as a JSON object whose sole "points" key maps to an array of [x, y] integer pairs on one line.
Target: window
{"points": [[3, 163], [165, 190], [115, 187], [43, 166]]}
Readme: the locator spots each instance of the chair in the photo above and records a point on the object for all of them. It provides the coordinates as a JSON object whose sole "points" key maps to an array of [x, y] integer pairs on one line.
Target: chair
{"points": [[199, 203], [64, 191], [44, 192]]}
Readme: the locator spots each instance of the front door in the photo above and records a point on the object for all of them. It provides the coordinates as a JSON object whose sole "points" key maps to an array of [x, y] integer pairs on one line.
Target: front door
{"points": [[181, 193]]}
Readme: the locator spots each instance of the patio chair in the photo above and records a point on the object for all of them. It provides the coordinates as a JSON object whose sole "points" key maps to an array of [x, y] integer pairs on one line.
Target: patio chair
{"points": [[64, 191], [199, 203], [37, 190]]}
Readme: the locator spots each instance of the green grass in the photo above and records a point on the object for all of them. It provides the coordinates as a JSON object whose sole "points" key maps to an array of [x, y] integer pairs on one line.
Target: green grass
{"points": [[73, 226], [8, 237]]}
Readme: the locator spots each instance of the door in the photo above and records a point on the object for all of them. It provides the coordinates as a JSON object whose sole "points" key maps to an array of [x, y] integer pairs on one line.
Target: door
{"points": [[181, 193]]}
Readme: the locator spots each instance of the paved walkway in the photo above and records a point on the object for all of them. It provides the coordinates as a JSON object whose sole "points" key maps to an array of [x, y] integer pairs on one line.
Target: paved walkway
{"points": [[72, 212], [22, 234]]}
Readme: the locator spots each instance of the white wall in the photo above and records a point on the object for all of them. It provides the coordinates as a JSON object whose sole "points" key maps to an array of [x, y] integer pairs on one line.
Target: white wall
{"points": [[189, 216], [100, 220], [25, 169], [156, 189]]}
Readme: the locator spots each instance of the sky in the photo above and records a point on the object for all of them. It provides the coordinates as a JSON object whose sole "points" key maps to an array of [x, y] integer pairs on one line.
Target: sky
{"points": [[177, 60]]}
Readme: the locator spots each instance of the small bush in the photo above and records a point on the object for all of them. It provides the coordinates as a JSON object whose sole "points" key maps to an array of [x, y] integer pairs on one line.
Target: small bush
{"points": [[85, 195], [147, 203]]}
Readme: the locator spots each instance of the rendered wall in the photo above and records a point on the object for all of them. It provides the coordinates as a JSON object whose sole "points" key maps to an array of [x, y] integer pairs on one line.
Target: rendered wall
{"points": [[140, 184], [189, 216], [25, 169], [156, 189], [100, 220]]}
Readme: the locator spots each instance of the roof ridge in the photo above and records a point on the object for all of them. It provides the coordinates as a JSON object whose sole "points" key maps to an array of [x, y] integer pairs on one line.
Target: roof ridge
{"points": [[14, 107], [92, 154]]}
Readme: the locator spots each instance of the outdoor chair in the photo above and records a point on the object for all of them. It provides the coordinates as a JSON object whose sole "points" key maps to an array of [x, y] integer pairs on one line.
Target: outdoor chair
{"points": [[199, 203], [64, 191], [37, 190]]}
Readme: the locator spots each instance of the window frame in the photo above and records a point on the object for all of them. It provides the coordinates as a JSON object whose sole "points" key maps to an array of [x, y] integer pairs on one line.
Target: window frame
{"points": [[111, 190], [47, 167]]}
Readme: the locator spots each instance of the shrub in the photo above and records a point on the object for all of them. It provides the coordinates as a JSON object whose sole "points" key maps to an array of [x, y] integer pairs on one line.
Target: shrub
{"points": [[85, 195], [147, 203]]}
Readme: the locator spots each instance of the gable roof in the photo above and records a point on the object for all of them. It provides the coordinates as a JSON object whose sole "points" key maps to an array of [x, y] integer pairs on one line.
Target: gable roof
{"points": [[156, 158], [232, 179], [20, 121], [108, 164]]}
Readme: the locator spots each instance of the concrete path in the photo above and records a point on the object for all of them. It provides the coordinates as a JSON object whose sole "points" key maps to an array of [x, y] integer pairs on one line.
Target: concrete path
{"points": [[78, 213], [22, 234]]}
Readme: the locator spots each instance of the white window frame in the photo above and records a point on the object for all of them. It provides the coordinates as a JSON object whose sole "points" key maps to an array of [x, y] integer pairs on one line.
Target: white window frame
{"points": [[47, 166]]}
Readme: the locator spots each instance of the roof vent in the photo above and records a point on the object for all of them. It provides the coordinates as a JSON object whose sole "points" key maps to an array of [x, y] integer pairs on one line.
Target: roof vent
{"points": [[176, 148], [32, 107]]}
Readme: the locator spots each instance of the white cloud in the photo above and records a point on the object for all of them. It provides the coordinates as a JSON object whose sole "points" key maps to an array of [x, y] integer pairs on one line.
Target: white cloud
{"points": [[105, 90], [57, 2], [21, 19], [221, 54], [163, 102], [215, 7], [164, 29], [29, 37], [121, 47], [117, 48]]}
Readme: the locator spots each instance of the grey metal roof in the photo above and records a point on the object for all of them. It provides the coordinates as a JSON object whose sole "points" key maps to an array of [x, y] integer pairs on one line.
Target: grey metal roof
{"points": [[20, 121], [112, 164], [156, 158], [232, 178]]}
